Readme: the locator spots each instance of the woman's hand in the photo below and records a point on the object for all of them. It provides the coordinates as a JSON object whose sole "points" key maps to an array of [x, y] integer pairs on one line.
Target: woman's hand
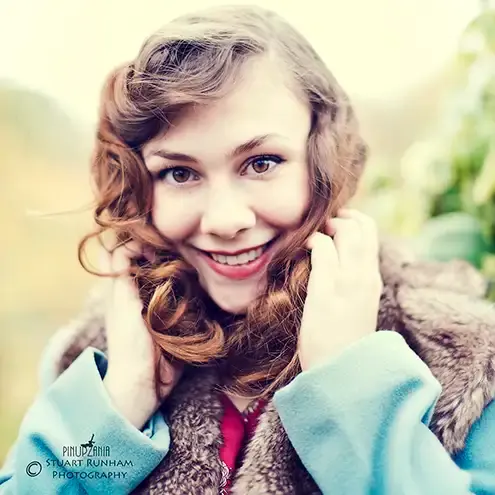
{"points": [[130, 377], [344, 288]]}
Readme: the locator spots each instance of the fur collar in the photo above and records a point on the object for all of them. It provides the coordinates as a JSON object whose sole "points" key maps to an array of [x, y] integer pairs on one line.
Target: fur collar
{"points": [[439, 310]]}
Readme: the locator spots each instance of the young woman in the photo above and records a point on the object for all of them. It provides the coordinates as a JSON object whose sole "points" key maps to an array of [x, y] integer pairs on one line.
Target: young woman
{"points": [[234, 347]]}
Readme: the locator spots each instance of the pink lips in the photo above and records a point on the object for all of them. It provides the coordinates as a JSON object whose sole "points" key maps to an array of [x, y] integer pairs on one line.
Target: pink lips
{"points": [[239, 272]]}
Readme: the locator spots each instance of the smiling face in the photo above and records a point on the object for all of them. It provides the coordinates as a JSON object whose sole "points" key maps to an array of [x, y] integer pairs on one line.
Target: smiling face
{"points": [[229, 178]]}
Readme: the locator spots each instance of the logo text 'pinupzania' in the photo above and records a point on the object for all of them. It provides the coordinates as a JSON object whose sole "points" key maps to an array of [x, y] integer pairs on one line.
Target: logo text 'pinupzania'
{"points": [[88, 449], [81, 462]]}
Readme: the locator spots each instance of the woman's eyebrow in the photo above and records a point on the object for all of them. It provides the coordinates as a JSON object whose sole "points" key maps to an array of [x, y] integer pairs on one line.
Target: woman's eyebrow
{"points": [[174, 156], [250, 145], [240, 149]]}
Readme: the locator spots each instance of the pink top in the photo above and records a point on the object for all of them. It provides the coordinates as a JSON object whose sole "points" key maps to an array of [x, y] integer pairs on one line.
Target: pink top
{"points": [[237, 428]]}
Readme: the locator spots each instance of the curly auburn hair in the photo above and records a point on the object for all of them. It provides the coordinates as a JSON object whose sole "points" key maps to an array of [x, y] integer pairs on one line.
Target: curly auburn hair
{"points": [[194, 60]]}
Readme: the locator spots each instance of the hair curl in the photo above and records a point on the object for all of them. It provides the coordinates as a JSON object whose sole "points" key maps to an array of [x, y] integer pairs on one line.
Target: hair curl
{"points": [[195, 60]]}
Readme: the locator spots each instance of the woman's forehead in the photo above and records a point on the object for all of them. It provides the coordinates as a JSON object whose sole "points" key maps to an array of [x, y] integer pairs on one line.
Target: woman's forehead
{"points": [[260, 104]]}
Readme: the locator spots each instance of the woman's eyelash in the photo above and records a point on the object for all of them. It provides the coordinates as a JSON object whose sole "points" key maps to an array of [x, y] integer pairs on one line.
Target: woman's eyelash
{"points": [[166, 170], [274, 158]]}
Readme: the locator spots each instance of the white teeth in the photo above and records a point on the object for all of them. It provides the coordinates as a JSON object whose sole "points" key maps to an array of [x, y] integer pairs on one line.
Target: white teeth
{"points": [[240, 259], [243, 258]]}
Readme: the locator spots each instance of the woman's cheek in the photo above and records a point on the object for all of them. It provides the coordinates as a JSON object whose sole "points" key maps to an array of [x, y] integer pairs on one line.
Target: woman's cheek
{"points": [[285, 205], [174, 219]]}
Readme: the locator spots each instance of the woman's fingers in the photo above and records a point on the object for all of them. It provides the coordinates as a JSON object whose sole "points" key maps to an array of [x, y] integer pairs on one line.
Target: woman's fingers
{"points": [[121, 257], [359, 258], [350, 255], [348, 241], [368, 227], [355, 236], [344, 288], [120, 289], [329, 228], [324, 257]]}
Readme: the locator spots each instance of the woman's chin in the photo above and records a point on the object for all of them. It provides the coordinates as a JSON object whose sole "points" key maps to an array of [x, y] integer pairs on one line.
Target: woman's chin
{"points": [[234, 299], [234, 306], [232, 296]]}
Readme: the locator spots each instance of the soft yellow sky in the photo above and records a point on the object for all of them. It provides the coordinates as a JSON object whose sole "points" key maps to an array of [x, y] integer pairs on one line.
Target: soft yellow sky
{"points": [[376, 48]]}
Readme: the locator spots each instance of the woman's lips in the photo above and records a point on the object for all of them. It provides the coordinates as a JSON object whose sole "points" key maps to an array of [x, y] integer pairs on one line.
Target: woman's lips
{"points": [[239, 272]]}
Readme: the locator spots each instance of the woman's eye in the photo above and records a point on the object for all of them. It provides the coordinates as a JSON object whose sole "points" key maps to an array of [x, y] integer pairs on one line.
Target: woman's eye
{"points": [[263, 164], [176, 175]]}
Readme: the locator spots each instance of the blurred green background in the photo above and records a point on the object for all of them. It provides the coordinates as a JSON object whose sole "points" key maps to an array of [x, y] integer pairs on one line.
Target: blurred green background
{"points": [[431, 175]]}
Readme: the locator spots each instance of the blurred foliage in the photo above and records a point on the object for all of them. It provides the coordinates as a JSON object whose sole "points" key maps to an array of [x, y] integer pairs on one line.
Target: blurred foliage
{"points": [[462, 165], [444, 195]]}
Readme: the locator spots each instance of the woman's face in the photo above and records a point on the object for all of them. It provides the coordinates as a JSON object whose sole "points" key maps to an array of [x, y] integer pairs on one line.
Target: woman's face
{"points": [[230, 177]]}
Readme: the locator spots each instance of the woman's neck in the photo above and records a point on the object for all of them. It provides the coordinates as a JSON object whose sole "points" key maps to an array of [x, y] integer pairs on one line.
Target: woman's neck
{"points": [[240, 403]]}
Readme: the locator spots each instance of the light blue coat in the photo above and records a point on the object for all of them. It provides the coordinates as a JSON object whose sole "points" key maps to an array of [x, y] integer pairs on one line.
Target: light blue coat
{"points": [[359, 423]]}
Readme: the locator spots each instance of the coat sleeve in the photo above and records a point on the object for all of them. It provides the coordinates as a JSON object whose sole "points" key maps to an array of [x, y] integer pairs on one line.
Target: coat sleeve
{"points": [[359, 424], [69, 411]]}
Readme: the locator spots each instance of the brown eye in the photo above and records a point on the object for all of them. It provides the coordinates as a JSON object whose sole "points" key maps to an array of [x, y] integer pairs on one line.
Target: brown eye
{"points": [[176, 175], [181, 174], [262, 165]]}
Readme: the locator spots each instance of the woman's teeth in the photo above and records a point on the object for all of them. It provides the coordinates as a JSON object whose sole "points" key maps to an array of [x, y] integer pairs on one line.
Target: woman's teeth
{"points": [[240, 259]]}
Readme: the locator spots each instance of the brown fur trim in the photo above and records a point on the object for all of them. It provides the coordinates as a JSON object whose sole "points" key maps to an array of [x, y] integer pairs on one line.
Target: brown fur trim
{"points": [[192, 467]]}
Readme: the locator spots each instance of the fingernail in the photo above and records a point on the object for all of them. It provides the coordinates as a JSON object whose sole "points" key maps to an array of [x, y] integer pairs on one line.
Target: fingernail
{"points": [[309, 241]]}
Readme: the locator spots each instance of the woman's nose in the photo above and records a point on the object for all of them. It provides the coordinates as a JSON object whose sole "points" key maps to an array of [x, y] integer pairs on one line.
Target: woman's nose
{"points": [[226, 214]]}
